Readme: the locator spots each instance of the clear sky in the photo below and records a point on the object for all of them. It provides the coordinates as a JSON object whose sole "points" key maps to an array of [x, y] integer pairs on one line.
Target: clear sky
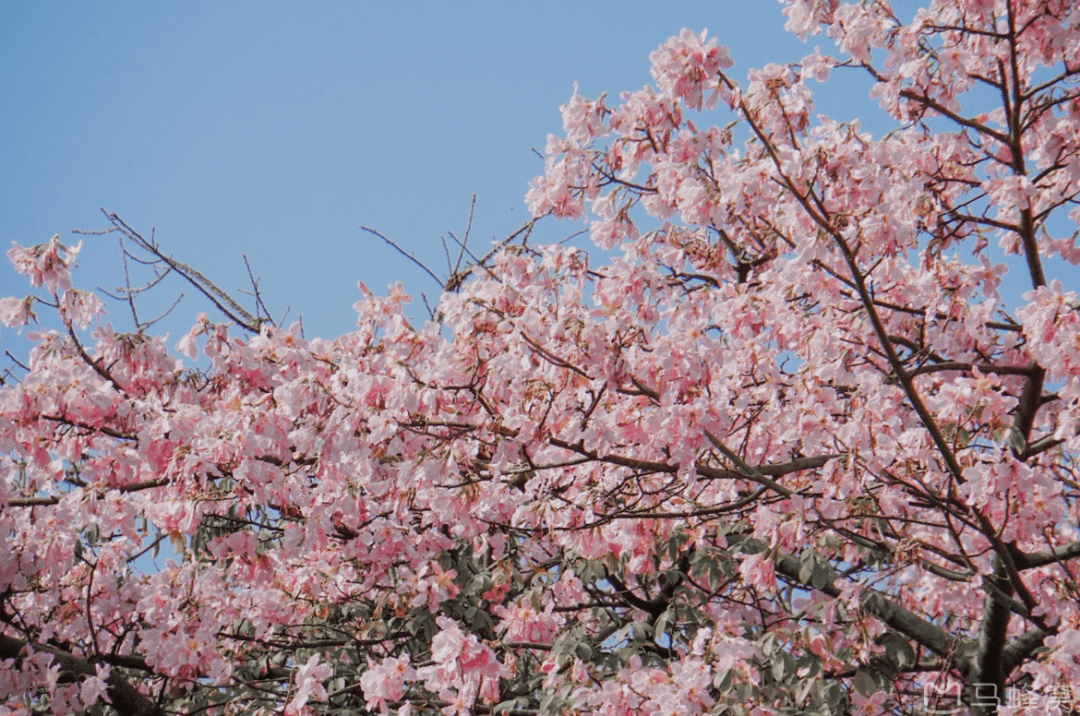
{"points": [[275, 129]]}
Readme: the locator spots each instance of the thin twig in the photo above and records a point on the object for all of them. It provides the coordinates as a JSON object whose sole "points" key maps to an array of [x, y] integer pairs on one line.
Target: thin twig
{"points": [[406, 254], [223, 301], [261, 309]]}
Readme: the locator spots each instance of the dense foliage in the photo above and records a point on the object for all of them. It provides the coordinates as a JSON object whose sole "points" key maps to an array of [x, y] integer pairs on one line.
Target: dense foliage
{"points": [[807, 443]]}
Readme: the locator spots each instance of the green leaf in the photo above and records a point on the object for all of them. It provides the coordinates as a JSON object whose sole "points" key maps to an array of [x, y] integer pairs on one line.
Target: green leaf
{"points": [[819, 577], [806, 568], [641, 631], [834, 697], [1017, 441], [671, 576], [778, 667], [479, 584], [723, 680], [864, 683], [481, 620], [783, 665], [661, 624], [811, 662], [897, 650]]}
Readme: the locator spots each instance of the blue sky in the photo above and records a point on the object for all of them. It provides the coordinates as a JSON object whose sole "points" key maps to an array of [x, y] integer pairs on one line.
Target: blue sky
{"points": [[276, 129]]}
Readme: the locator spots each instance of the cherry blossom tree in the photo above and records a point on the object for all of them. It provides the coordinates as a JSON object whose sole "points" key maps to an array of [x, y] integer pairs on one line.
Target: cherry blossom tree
{"points": [[806, 443]]}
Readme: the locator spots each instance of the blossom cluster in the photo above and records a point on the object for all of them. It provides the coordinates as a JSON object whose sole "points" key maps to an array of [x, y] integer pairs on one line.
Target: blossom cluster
{"points": [[806, 442]]}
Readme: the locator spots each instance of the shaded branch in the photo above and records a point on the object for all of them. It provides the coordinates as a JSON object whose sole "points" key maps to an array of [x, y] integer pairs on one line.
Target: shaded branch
{"points": [[126, 699], [1050, 556], [877, 604]]}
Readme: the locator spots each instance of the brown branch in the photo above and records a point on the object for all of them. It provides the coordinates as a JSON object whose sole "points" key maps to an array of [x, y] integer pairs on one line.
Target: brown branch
{"points": [[769, 470], [1050, 556], [967, 367], [55, 499], [877, 604], [406, 254], [221, 300], [126, 699]]}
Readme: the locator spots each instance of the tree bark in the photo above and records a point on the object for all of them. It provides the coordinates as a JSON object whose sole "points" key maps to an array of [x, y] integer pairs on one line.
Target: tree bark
{"points": [[126, 699]]}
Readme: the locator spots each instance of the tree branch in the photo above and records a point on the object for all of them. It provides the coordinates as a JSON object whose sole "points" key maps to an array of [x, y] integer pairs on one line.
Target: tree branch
{"points": [[877, 604], [126, 699]]}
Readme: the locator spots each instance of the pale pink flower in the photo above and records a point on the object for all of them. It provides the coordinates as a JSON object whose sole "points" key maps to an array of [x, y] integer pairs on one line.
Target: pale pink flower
{"points": [[386, 681], [17, 312], [46, 264], [687, 67], [309, 686], [80, 307], [448, 643], [584, 120], [95, 687]]}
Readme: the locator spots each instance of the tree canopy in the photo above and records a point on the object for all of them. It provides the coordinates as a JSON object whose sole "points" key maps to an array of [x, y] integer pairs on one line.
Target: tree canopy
{"points": [[804, 439]]}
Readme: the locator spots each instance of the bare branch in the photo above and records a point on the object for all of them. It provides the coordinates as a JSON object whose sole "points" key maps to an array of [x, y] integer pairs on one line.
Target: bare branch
{"points": [[406, 254]]}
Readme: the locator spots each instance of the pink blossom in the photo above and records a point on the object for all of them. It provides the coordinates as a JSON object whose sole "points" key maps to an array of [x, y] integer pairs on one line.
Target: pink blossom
{"points": [[94, 688], [448, 643], [46, 265], [758, 570], [80, 307], [386, 681], [17, 312], [584, 120], [793, 410], [687, 67], [309, 686]]}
